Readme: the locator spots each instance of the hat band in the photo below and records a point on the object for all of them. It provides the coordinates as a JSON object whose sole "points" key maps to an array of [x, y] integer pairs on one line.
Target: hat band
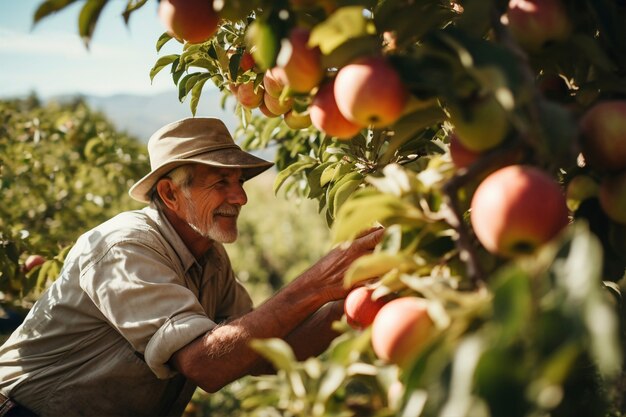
{"points": [[194, 152]]}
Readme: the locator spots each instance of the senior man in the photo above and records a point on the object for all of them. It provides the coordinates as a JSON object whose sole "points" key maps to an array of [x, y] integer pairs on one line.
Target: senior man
{"points": [[147, 306]]}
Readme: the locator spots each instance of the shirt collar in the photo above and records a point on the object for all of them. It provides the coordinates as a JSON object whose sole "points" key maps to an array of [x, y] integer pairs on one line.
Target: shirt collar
{"points": [[187, 259]]}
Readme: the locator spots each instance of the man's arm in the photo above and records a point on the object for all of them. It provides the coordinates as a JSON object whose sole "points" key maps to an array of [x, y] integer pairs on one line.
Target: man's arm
{"points": [[223, 355]]}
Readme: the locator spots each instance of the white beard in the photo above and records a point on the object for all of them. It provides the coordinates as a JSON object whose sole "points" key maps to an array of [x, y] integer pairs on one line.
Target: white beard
{"points": [[212, 230]]}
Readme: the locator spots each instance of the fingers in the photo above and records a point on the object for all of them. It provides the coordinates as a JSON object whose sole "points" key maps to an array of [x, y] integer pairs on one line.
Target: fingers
{"points": [[370, 238]]}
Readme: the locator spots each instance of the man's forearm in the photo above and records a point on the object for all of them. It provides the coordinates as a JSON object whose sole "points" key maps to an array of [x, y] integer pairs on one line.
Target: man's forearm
{"points": [[223, 354], [311, 338]]}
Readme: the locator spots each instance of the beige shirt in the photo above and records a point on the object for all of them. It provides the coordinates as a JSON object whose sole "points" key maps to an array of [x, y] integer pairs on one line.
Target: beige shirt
{"points": [[98, 341]]}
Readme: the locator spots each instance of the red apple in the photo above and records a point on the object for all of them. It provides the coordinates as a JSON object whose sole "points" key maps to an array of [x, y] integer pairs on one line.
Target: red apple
{"points": [[360, 308], [297, 121], [462, 157], [401, 330], [194, 21], [266, 111], [613, 197], [516, 209], [369, 92], [301, 64], [535, 22], [273, 81], [32, 261], [276, 105], [480, 123], [326, 117], [248, 97], [603, 135]]}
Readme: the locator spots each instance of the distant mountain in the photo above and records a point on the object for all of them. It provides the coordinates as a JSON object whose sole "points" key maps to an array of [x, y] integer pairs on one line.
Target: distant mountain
{"points": [[141, 116]]}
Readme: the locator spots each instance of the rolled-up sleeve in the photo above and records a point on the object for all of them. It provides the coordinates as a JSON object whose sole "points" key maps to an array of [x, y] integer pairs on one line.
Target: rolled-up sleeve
{"points": [[142, 295]]}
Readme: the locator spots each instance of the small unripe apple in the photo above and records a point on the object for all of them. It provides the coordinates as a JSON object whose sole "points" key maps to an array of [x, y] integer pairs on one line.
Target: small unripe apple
{"points": [[603, 135], [248, 97], [276, 105], [579, 189], [516, 209], [273, 81], [297, 121], [401, 330], [369, 92], [613, 197], [480, 123], [535, 22], [326, 117], [360, 308], [33, 261], [462, 157], [194, 21], [302, 65]]}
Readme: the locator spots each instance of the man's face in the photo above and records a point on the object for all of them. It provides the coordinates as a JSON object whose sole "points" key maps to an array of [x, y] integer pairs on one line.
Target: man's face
{"points": [[213, 202]]}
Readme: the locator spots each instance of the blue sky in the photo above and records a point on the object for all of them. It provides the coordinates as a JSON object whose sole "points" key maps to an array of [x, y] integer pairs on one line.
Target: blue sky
{"points": [[50, 58]]}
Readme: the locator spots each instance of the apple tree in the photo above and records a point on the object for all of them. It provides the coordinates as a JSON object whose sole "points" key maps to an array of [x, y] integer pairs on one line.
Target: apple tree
{"points": [[488, 137]]}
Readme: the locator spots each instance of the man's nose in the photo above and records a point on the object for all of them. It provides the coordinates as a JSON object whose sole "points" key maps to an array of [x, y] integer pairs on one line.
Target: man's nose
{"points": [[237, 195]]}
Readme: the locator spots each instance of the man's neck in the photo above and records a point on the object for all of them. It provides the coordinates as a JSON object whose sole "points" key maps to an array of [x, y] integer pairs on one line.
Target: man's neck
{"points": [[197, 244]]}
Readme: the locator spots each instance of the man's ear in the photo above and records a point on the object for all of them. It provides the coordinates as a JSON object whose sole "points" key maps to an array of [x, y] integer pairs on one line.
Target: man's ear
{"points": [[168, 192]]}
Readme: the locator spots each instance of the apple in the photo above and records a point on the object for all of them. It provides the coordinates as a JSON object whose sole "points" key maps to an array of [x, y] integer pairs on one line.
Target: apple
{"points": [[613, 197], [273, 81], [360, 309], [480, 123], [326, 117], [462, 157], [579, 189], [266, 111], [302, 65], [401, 330], [296, 120], [276, 105], [248, 96], [516, 209], [603, 135], [33, 261], [536, 22], [369, 92], [246, 61], [194, 21]]}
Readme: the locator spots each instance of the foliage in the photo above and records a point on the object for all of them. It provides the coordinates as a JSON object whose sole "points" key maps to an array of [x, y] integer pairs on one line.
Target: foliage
{"points": [[64, 170], [529, 336]]}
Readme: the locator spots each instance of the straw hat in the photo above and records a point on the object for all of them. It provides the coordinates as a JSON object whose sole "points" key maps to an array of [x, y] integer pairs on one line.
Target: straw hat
{"points": [[194, 140]]}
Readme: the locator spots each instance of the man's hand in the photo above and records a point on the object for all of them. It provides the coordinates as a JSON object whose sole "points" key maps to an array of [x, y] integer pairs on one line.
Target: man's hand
{"points": [[326, 275], [294, 313]]}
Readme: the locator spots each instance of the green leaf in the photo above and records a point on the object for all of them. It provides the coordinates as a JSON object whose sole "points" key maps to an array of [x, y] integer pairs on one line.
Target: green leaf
{"points": [[512, 303], [331, 381], [344, 24], [370, 207], [376, 265], [304, 163], [131, 6], [277, 351], [196, 91], [88, 18], [162, 63], [344, 191], [263, 44], [48, 7], [163, 39]]}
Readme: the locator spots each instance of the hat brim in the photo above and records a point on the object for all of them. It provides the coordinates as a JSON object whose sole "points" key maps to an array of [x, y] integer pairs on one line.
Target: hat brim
{"points": [[250, 165]]}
